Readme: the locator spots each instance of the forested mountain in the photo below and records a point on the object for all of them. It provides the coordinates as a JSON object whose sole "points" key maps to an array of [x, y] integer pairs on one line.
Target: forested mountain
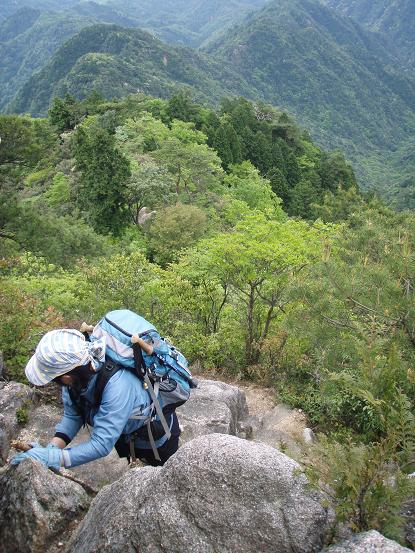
{"points": [[9, 7], [341, 82], [394, 18], [337, 79], [117, 61], [189, 22], [103, 13], [28, 39]]}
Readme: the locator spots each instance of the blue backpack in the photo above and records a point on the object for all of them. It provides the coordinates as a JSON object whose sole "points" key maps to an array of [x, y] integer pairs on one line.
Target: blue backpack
{"points": [[162, 368]]}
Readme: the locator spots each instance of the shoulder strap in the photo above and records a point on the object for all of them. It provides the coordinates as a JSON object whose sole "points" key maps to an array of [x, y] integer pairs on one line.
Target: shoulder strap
{"points": [[106, 372], [78, 403]]}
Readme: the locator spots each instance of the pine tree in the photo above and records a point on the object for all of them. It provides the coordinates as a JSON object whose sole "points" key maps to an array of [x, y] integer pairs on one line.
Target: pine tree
{"points": [[102, 188]]}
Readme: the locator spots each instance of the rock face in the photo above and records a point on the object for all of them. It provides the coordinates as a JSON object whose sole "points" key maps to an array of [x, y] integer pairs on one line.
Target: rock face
{"points": [[214, 407], [282, 427], [409, 513], [41, 427], [368, 542], [36, 506], [217, 494], [13, 396]]}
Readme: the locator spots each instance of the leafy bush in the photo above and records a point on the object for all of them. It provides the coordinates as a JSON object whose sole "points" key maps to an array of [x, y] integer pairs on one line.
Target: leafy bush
{"points": [[22, 322]]}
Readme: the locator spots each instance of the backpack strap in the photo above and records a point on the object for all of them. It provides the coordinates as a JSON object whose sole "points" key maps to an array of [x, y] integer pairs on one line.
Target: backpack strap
{"points": [[105, 373], [141, 369]]}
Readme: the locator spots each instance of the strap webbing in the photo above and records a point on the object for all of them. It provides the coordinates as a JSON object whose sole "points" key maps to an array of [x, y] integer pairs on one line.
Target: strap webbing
{"points": [[132, 451], [152, 442], [157, 406]]}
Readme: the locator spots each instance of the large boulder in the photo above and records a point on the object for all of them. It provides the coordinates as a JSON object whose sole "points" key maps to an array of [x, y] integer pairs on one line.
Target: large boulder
{"points": [[13, 396], [41, 427], [409, 514], [218, 493], [213, 407], [36, 506], [368, 542]]}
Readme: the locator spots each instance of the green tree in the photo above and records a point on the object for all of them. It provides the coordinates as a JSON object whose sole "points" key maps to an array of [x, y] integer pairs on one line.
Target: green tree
{"points": [[149, 186], [173, 229], [335, 172], [102, 191], [180, 106], [59, 191], [18, 141], [257, 261], [141, 134], [195, 167], [245, 183], [65, 113], [227, 144]]}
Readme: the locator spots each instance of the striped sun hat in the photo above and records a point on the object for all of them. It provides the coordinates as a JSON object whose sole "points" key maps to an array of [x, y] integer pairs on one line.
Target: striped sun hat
{"points": [[60, 351]]}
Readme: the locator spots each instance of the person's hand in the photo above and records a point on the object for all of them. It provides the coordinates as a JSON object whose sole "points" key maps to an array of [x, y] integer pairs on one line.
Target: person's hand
{"points": [[50, 457]]}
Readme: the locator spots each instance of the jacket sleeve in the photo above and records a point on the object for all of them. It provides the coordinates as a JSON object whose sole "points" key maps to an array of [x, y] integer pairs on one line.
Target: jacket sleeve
{"points": [[71, 421], [115, 409]]}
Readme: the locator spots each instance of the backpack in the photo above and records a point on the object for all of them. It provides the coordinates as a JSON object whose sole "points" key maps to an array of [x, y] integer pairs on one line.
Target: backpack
{"points": [[164, 371]]}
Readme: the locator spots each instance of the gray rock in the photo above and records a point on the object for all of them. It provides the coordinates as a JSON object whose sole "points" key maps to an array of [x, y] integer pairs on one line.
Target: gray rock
{"points": [[282, 428], [308, 436], [41, 427], [214, 407], [36, 506], [368, 542], [409, 515], [13, 396], [218, 494]]}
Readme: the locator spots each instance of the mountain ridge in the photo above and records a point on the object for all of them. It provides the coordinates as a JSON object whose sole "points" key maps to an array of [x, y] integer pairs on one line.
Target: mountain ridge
{"points": [[134, 59]]}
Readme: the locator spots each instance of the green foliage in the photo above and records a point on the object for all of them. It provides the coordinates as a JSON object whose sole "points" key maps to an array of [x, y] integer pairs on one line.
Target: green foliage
{"points": [[344, 98], [114, 283], [59, 191], [22, 319], [102, 188], [19, 144], [149, 186], [64, 114], [60, 239], [22, 415], [368, 492], [257, 261], [174, 228], [245, 184], [357, 327]]}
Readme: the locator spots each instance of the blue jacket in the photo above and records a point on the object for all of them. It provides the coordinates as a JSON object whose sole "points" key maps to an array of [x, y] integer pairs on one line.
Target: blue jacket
{"points": [[123, 397]]}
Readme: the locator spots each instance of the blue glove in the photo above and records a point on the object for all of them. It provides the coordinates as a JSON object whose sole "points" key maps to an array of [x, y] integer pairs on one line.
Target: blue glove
{"points": [[49, 456]]}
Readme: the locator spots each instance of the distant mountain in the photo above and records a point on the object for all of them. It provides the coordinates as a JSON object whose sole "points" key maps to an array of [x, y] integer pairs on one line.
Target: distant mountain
{"points": [[102, 13], [29, 38], [338, 80], [27, 41], [394, 18], [9, 7], [189, 22], [117, 61]]}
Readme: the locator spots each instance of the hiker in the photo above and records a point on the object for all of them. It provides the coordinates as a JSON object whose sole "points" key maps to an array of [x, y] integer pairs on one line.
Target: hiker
{"points": [[120, 417]]}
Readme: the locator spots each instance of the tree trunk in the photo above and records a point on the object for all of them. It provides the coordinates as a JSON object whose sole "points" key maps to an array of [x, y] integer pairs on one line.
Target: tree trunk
{"points": [[250, 327]]}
